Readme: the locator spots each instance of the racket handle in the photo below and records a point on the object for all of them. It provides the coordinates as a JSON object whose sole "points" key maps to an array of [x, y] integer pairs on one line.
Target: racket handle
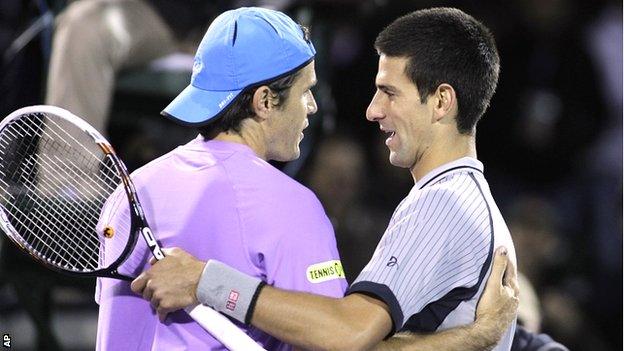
{"points": [[222, 329]]}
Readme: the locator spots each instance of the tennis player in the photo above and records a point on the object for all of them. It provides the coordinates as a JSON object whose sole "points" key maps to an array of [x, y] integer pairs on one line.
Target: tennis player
{"points": [[219, 198]]}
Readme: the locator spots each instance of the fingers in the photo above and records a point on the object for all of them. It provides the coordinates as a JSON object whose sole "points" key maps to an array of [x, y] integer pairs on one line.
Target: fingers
{"points": [[139, 283], [498, 266], [170, 283], [148, 291], [164, 307], [142, 285], [511, 277], [162, 315], [163, 310], [169, 251], [157, 301], [166, 252]]}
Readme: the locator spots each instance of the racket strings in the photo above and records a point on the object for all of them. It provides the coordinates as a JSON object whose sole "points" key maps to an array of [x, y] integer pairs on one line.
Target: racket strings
{"points": [[40, 245], [54, 187], [75, 149], [43, 246], [59, 187], [32, 199], [48, 212], [108, 170], [60, 143]]}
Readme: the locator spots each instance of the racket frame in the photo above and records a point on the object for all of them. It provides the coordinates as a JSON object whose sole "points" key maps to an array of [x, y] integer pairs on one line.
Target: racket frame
{"points": [[213, 322], [138, 222]]}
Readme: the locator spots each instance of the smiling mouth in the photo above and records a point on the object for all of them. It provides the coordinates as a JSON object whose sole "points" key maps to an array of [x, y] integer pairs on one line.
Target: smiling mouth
{"points": [[389, 133], [390, 136]]}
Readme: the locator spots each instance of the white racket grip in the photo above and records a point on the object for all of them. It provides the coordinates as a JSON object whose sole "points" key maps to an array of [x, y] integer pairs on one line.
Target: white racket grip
{"points": [[222, 329]]}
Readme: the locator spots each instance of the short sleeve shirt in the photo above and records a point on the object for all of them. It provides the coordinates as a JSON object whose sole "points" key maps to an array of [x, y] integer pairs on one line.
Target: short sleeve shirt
{"points": [[217, 200], [431, 263]]}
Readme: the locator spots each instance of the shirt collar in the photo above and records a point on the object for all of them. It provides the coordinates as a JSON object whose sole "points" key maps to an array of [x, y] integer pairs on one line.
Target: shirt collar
{"points": [[462, 163], [199, 143]]}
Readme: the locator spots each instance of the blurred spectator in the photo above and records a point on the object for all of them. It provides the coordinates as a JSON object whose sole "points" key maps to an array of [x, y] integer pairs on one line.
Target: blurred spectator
{"points": [[533, 222], [21, 76], [546, 259], [338, 177], [94, 40], [529, 309]]}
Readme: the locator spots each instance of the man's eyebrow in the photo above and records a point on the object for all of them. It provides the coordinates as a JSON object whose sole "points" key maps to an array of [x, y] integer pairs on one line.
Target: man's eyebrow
{"points": [[313, 84], [384, 87]]}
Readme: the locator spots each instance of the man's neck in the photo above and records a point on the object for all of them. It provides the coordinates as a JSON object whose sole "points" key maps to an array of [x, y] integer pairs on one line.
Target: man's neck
{"points": [[249, 135], [444, 152]]}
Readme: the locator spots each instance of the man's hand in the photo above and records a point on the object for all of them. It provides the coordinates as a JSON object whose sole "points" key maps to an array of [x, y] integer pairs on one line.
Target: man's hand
{"points": [[171, 283], [499, 303]]}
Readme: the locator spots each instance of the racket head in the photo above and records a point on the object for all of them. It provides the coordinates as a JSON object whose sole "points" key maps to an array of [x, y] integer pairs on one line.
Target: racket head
{"points": [[57, 173]]}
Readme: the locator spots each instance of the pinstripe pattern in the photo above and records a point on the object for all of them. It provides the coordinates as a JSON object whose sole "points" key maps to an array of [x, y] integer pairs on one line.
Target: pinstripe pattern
{"points": [[437, 249]]}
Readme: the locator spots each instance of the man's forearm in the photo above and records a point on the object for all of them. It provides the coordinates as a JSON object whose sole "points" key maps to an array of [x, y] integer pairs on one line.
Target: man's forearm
{"points": [[480, 336], [305, 320], [321, 323]]}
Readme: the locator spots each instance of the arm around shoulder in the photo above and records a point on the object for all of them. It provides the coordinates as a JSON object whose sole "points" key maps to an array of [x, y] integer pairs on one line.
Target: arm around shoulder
{"points": [[308, 321], [355, 322]]}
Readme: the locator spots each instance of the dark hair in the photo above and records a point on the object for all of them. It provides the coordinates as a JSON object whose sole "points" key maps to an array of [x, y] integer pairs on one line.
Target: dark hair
{"points": [[446, 45], [241, 107]]}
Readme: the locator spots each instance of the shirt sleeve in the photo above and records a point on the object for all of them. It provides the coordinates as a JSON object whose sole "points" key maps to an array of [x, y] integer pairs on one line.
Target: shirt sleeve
{"points": [[301, 253], [116, 217], [437, 240], [125, 320]]}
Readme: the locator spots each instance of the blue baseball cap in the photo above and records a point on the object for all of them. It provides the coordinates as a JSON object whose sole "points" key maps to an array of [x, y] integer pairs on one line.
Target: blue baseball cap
{"points": [[242, 48]]}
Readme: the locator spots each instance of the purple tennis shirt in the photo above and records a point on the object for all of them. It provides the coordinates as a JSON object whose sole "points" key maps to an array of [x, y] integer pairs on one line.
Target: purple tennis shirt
{"points": [[217, 200]]}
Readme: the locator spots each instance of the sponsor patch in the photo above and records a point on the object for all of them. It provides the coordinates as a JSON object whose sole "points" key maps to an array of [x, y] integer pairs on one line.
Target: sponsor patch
{"points": [[324, 271]]}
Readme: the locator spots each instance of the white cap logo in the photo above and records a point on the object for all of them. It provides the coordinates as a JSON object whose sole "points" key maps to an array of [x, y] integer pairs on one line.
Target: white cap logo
{"points": [[197, 66], [227, 99]]}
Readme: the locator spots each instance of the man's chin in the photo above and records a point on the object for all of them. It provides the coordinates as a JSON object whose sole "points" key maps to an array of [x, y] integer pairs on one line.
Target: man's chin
{"points": [[288, 157], [295, 155], [397, 162]]}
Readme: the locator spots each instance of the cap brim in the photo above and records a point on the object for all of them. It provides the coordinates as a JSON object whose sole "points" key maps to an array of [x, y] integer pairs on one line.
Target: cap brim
{"points": [[196, 107]]}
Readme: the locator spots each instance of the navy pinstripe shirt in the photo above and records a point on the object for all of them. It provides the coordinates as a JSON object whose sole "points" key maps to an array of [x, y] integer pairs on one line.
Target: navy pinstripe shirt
{"points": [[433, 260]]}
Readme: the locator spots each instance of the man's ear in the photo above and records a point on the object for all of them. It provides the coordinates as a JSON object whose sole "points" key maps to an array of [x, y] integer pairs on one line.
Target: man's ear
{"points": [[262, 102], [445, 101]]}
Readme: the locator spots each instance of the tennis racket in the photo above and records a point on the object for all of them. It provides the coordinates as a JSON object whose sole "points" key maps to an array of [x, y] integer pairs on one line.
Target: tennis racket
{"points": [[56, 174]]}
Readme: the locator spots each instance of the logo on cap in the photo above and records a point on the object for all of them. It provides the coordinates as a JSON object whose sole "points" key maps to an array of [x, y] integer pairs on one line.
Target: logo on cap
{"points": [[227, 99], [197, 66]]}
